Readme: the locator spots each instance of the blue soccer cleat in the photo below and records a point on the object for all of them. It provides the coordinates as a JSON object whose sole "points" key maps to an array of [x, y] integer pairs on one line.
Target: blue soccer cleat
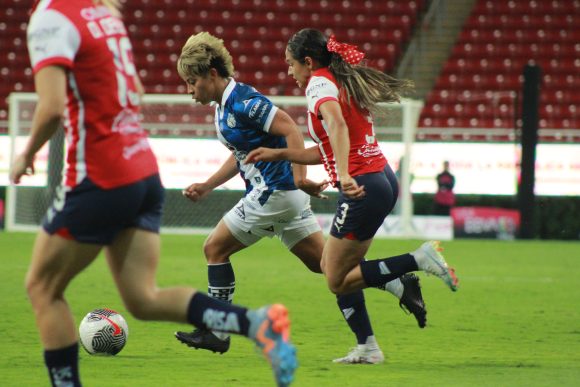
{"points": [[270, 329]]}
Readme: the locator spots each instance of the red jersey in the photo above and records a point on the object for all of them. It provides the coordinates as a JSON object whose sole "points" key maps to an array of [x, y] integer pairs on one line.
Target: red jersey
{"points": [[365, 155], [105, 140]]}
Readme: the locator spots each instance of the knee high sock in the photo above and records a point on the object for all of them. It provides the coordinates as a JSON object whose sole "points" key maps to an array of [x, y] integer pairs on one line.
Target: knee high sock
{"points": [[221, 285], [221, 281], [63, 366], [208, 313], [378, 272], [354, 310]]}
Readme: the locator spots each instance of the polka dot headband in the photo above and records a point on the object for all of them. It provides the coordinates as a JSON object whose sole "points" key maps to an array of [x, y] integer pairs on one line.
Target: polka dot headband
{"points": [[347, 52]]}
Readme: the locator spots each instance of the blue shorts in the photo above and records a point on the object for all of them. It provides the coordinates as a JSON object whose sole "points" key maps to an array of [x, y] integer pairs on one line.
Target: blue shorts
{"points": [[90, 214], [359, 219]]}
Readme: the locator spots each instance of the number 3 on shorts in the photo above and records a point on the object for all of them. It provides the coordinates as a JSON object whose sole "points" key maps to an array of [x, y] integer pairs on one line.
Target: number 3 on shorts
{"points": [[339, 222]]}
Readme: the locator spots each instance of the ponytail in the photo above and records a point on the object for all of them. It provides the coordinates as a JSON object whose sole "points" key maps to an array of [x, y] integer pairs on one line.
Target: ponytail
{"points": [[366, 85]]}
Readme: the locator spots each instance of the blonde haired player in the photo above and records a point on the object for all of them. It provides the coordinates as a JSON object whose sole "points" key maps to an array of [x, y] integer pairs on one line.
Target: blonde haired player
{"points": [[273, 204]]}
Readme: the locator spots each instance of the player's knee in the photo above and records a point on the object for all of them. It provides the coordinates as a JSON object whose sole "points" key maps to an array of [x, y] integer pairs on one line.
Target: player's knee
{"points": [[34, 289], [141, 305], [335, 285], [314, 266], [213, 252], [39, 292], [141, 310]]}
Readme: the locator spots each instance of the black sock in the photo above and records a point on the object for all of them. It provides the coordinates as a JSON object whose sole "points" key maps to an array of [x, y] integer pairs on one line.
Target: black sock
{"points": [[380, 271], [208, 313], [221, 281], [354, 310], [63, 366]]}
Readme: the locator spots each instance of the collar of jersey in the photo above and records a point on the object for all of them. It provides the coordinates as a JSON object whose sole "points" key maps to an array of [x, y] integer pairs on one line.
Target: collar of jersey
{"points": [[227, 92]]}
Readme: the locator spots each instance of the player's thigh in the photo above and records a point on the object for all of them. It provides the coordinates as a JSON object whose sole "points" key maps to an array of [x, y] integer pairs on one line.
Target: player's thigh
{"points": [[340, 256], [309, 250], [361, 218], [56, 261], [133, 258], [222, 242]]}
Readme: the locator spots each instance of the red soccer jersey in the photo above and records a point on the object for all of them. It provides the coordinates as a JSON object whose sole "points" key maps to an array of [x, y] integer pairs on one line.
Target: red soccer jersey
{"points": [[365, 155], [105, 140]]}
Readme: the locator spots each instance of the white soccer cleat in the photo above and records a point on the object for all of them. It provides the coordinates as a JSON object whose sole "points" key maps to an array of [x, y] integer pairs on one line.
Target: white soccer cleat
{"points": [[430, 260], [363, 354]]}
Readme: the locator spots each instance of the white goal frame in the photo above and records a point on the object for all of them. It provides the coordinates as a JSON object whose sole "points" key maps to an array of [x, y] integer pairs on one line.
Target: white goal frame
{"points": [[406, 131]]}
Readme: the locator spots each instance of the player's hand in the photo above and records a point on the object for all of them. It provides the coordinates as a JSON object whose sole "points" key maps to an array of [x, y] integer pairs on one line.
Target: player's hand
{"points": [[313, 188], [263, 154], [350, 188], [22, 166], [196, 191]]}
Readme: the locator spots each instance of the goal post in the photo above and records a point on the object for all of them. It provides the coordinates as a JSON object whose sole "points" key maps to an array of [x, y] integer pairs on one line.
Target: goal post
{"points": [[182, 135]]}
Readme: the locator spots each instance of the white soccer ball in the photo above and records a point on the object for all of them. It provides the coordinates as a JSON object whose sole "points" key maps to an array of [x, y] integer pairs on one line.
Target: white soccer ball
{"points": [[103, 332]]}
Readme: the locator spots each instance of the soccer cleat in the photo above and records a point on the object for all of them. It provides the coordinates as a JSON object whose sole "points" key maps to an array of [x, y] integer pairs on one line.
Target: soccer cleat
{"points": [[204, 339], [363, 354], [430, 260], [270, 329], [412, 299]]}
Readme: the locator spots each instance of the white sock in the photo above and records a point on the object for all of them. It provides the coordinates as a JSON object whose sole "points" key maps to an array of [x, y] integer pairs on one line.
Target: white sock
{"points": [[221, 335], [371, 342], [395, 287]]}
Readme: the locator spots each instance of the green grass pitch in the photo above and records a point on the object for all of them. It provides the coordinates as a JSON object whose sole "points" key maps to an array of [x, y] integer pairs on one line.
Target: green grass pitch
{"points": [[515, 321]]}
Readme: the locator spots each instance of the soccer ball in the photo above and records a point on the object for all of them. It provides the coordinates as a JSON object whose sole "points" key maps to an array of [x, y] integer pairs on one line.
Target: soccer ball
{"points": [[103, 332]]}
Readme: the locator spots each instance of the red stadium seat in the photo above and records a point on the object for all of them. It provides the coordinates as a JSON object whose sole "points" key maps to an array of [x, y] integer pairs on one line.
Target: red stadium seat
{"points": [[483, 75]]}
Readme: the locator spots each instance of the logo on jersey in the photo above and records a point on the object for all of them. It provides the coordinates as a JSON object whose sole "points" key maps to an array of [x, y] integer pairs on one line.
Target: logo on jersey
{"points": [[240, 155], [314, 87], [127, 122], [369, 150], [141, 145], [94, 13], [43, 34], [231, 120], [254, 109], [246, 102]]}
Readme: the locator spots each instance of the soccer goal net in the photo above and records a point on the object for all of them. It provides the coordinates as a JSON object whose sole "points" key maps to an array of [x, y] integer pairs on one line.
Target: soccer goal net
{"points": [[183, 137]]}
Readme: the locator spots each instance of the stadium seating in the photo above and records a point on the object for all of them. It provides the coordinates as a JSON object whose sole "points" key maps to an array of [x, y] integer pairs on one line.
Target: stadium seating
{"points": [[486, 65], [255, 31]]}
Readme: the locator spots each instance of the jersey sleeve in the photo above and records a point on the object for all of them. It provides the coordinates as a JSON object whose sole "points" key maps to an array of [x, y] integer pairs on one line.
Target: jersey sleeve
{"points": [[256, 112], [319, 90], [52, 39]]}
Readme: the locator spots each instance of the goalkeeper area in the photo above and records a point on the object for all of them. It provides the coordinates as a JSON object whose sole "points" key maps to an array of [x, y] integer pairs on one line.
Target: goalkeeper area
{"points": [[182, 135], [515, 320]]}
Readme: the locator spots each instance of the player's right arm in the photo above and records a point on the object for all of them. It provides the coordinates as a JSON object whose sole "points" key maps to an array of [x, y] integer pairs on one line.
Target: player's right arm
{"points": [[197, 191], [50, 84], [308, 156]]}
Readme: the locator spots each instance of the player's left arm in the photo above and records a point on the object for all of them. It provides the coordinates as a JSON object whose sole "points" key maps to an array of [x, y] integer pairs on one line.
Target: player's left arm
{"points": [[50, 85], [340, 142]]}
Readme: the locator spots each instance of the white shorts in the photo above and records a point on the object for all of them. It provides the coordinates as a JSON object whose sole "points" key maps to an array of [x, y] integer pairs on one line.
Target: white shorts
{"points": [[286, 214]]}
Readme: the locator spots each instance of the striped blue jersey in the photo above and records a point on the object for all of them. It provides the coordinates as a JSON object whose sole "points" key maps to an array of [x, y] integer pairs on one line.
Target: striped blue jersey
{"points": [[242, 123]]}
